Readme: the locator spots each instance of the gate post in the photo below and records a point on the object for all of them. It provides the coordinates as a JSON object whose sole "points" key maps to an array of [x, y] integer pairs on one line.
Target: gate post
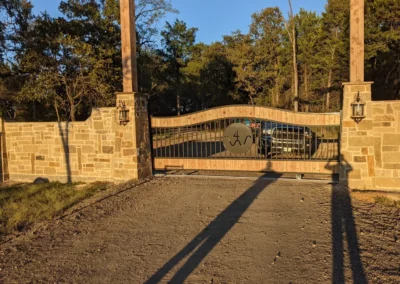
{"points": [[132, 157], [357, 140]]}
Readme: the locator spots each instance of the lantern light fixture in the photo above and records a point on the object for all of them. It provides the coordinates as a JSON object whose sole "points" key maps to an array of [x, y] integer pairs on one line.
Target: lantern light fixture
{"points": [[358, 107], [123, 113]]}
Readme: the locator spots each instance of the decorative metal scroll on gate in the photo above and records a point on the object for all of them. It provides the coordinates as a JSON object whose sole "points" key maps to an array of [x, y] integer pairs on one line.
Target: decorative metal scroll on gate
{"points": [[249, 138]]}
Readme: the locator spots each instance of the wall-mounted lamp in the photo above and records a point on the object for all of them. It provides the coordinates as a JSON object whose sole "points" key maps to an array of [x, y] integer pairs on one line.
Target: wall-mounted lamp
{"points": [[123, 113], [358, 109]]}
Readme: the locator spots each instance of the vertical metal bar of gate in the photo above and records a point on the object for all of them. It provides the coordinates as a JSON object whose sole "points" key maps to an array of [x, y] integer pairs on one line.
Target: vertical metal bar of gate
{"points": [[259, 145], [201, 141], [281, 141], [197, 142], [215, 137], [191, 140], [267, 123], [152, 154]]}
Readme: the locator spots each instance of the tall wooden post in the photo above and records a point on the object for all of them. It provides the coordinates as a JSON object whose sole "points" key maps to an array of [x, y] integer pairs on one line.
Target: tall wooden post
{"points": [[356, 41], [128, 46], [132, 157]]}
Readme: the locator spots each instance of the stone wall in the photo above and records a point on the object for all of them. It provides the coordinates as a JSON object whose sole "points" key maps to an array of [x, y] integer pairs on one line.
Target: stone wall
{"points": [[370, 150], [98, 149], [386, 131], [60, 151]]}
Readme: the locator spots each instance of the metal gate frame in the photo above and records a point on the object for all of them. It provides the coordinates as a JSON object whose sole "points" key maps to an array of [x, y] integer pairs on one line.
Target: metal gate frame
{"points": [[194, 141]]}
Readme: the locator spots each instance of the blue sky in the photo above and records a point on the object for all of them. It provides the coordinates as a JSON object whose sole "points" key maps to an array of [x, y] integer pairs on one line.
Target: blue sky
{"points": [[213, 18]]}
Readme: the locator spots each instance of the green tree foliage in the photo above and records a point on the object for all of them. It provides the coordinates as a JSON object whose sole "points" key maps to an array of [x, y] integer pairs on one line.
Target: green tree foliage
{"points": [[178, 42], [69, 64], [334, 53], [208, 77], [243, 57], [382, 50], [266, 31], [257, 59], [291, 28], [15, 18], [74, 76], [148, 14], [73, 63], [311, 68], [216, 77]]}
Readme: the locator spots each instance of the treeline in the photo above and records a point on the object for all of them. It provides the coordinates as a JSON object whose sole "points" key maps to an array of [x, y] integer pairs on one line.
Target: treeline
{"points": [[59, 68]]}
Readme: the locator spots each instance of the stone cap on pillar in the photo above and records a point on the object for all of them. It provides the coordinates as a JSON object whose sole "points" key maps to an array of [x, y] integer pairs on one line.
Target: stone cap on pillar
{"points": [[357, 83], [353, 88], [130, 97], [350, 93], [137, 102]]}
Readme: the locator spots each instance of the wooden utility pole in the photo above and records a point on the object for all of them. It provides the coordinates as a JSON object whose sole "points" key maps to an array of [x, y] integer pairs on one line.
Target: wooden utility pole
{"points": [[128, 46], [356, 41]]}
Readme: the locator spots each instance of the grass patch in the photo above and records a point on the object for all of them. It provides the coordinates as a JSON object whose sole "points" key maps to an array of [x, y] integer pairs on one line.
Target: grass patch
{"points": [[385, 201], [21, 205]]}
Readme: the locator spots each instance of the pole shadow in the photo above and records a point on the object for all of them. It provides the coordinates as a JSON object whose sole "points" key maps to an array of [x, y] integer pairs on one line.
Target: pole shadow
{"points": [[344, 230], [342, 225], [202, 244], [64, 135]]}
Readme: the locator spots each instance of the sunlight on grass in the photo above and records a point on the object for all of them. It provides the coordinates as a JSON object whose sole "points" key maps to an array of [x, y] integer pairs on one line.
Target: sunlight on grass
{"points": [[23, 204], [385, 201]]}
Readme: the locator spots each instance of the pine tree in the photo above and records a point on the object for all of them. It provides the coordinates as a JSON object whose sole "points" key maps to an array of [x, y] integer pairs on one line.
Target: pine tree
{"points": [[178, 41], [382, 48], [334, 53], [266, 30], [309, 34], [290, 26]]}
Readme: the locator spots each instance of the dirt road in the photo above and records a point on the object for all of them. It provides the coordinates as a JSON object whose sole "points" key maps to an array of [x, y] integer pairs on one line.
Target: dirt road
{"points": [[213, 231]]}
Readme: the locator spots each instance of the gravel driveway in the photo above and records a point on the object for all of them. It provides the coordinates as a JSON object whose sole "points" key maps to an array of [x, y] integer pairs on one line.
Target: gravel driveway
{"points": [[199, 230]]}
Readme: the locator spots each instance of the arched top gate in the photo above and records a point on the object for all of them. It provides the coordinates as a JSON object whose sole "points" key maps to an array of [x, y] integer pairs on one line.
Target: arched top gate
{"points": [[250, 138]]}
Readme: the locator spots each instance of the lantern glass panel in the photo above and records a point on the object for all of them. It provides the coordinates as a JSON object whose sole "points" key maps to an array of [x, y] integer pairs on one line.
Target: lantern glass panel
{"points": [[361, 109], [123, 115], [358, 110]]}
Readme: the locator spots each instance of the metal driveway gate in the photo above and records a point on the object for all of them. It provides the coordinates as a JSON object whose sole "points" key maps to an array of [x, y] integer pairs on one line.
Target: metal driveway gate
{"points": [[248, 138]]}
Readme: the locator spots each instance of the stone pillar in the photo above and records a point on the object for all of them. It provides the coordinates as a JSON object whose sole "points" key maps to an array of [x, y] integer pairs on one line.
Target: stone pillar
{"points": [[133, 150], [132, 158], [357, 140]]}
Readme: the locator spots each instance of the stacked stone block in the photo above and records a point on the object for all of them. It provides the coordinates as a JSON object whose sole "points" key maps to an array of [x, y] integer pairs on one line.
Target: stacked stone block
{"points": [[65, 151], [370, 150], [98, 149], [133, 155], [386, 131], [357, 140]]}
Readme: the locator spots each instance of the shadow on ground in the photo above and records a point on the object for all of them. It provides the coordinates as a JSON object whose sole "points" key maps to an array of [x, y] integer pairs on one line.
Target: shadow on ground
{"points": [[205, 241], [343, 231]]}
